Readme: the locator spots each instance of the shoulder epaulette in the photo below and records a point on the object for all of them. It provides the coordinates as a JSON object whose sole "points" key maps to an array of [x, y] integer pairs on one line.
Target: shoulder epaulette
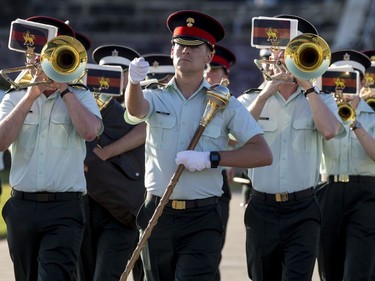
{"points": [[79, 86], [325, 92], [252, 91], [10, 90]]}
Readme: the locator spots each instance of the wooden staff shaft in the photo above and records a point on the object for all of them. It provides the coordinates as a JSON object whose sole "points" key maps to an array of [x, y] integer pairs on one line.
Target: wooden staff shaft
{"points": [[159, 209]]}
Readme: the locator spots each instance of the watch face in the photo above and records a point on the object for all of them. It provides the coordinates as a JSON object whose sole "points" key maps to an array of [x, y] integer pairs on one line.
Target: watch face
{"points": [[215, 157]]}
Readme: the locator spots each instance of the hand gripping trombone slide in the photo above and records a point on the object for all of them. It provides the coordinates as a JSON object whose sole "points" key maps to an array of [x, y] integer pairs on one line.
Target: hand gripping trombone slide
{"points": [[218, 97]]}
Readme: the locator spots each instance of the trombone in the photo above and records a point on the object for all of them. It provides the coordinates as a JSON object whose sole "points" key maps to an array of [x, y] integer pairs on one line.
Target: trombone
{"points": [[63, 59], [307, 56]]}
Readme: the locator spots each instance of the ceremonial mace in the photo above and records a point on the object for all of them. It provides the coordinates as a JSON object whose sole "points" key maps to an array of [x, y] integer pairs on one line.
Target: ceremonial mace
{"points": [[218, 97]]}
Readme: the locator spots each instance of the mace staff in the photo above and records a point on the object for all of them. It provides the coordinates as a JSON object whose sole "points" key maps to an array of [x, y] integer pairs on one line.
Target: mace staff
{"points": [[218, 97]]}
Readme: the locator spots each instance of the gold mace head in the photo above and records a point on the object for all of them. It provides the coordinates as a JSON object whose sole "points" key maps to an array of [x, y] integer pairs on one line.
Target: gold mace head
{"points": [[218, 97]]}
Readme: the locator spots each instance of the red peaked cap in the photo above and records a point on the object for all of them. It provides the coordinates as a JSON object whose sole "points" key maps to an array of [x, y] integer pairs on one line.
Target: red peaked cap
{"points": [[63, 28], [192, 28], [223, 58]]}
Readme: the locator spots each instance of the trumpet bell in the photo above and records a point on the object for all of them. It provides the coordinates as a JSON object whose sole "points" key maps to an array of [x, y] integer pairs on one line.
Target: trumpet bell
{"points": [[370, 101], [307, 56], [63, 59], [346, 112]]}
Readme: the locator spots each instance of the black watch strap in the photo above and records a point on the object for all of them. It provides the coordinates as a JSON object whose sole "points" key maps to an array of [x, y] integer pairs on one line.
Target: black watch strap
{"points": [[63, 93], [214, 159], [308, 91]]}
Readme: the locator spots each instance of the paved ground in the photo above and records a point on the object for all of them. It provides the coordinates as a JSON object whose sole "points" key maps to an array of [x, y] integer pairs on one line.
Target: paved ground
{"points": [[233, 265]]}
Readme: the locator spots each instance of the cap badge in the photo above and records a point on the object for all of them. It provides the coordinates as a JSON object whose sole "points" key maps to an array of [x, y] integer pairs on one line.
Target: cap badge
{"points": [[190, 22], [155, 64], [114, 53], [346, 57]]}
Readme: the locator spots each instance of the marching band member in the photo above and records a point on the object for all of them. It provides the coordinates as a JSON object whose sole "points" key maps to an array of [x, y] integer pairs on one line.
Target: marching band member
{"points": [[115, 184], [347, 200], [282, 218], [46, 126], [187, 240]]}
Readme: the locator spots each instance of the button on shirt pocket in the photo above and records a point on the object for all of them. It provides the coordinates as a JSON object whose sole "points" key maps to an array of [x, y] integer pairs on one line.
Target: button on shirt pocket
{"points": [[162, 130]]}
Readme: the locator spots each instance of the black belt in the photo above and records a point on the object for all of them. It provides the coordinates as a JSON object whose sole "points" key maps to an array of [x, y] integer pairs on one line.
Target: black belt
{"points": [[185, 204], [46, 196], [349, 178], [283, 197]]}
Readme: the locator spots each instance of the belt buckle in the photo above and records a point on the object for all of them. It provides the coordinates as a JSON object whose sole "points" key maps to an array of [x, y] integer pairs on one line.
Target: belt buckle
{"points": [[341, 178], [178, 205], [281, 197]]}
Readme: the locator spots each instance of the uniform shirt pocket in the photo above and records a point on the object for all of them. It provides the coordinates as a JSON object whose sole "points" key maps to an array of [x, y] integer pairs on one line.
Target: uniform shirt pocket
{"points": [[357, 150], [162, 129], [29, 132], [303, 135], [212, 139], [62, 130]]}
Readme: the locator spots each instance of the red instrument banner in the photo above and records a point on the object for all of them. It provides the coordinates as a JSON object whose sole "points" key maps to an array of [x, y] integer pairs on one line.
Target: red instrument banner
{"points": [[30, 36], [272, 32], [104, 79], [332, 80]]}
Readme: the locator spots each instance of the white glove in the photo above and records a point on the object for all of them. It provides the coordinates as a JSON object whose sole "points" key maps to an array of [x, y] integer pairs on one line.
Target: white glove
{"points": [[194, 160], [138, 69]]}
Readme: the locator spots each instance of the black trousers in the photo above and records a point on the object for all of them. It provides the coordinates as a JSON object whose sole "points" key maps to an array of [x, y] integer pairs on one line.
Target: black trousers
{"points": [[347, 244], [184, 244], [44, 238], [224, 202], [282, 239], [107, 246]]}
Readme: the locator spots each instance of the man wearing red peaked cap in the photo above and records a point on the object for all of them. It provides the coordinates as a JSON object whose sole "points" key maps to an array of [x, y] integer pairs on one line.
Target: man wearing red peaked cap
{"points": [[187, 241]]}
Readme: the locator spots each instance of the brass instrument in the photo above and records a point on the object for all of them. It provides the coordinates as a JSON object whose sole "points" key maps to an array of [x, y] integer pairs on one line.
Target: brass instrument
{"points": [[345, 110], [102, 100], [307, 56], [370, 101], [63, 59]]}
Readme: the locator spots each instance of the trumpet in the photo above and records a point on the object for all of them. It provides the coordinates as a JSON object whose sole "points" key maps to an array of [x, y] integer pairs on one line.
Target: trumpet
{"points": [[370, 101], [307, 56], [63, 59], [346, 112]]}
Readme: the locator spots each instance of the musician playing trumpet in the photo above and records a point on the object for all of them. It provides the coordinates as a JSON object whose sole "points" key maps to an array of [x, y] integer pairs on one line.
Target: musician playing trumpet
{"points": [[347, 196], [282, 217], [46, 126]]}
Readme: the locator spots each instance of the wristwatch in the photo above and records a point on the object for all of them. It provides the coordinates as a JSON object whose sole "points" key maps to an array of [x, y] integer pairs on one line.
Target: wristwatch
{"points": [[357, 125], [214, 159], [312, 89]]}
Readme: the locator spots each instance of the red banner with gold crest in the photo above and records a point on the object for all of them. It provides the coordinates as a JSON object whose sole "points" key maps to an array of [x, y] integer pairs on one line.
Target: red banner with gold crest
{"points": [[26, 35], [104, 79], [270, 32]]}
